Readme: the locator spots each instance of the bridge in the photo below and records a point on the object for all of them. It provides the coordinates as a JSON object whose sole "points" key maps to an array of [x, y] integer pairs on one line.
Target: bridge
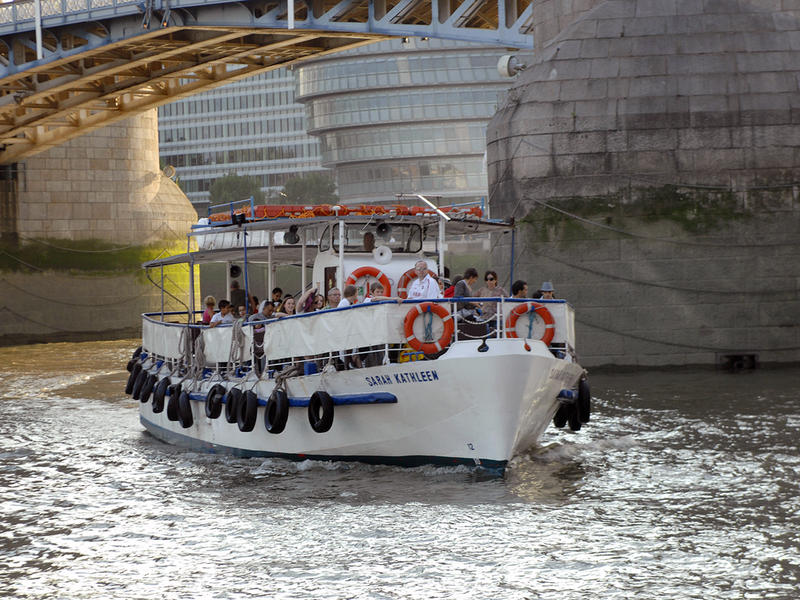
{"points": [[71, 66]]}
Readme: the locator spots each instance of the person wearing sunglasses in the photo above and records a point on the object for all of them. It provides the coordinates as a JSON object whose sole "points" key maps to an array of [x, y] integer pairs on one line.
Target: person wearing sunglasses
{"points": [[491, 289]]}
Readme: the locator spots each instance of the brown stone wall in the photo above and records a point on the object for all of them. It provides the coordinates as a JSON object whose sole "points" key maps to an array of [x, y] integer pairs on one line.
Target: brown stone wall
{"points": [[104, 185]]}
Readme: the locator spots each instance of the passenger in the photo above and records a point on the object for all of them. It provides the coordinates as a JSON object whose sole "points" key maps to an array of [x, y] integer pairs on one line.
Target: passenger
{"points": [[238, 297], [253, 308], [350, 358], [241, 313], [319, 302], [424, 286], [377, 292], [334, 296], [490, 290], [223, 316], [519, 289], [448, 292], [464, 290], [286, 308], [548, 292], [265, 312], [369, 241], [306, 302], [350, 296], [277, 295], [208, 313]]}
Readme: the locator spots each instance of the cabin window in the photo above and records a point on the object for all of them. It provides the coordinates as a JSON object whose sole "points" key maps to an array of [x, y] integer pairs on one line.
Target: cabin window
{"points": [[365, 237]]}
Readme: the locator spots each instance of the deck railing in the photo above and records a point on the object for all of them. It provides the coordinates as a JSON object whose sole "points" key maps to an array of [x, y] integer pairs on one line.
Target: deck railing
{"points": [[360, 335]]}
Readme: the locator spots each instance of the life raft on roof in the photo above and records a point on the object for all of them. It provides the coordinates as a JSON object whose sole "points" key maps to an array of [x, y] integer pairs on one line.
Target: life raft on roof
{"points": [[298, 211]]}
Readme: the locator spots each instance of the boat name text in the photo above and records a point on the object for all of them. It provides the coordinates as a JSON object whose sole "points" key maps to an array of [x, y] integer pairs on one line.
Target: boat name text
{"points": [[408, 377]]}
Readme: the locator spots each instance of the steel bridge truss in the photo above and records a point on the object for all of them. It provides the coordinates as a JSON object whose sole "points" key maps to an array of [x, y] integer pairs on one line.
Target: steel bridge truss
{"points": [[100, 61]]}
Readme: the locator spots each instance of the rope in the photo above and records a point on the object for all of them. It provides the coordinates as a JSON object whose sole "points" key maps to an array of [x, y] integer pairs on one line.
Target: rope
{"points": [[428, 325], [531, 319]]}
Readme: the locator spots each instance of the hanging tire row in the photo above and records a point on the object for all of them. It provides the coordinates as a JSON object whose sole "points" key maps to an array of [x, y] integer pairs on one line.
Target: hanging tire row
{"points": [[241, 407]]}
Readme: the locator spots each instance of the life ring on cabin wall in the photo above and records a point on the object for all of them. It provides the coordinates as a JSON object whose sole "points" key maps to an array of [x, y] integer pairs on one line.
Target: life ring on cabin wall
{"points": [[405, 279], [370, 272], [539, 309], [429, 347]]}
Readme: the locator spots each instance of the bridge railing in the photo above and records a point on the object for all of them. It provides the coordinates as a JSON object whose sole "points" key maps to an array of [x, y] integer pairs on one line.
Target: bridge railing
{"points": [[22, 11]]}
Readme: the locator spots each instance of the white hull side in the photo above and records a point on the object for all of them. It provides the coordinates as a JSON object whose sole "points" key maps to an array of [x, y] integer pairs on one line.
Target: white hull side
{"points": [[465, 407]]}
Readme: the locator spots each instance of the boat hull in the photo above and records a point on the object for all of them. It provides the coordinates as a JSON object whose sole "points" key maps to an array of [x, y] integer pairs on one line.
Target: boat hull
{"points": [[467, 407]]}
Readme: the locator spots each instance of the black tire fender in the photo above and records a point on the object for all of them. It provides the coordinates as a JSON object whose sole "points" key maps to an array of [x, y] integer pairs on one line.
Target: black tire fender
{"points": [[247, 411], [147, 388], [232, 399], [584, 401], [139, 384], [185, 417], [133, 360], [132, 377], [158, 395], [574, 419], [561, 416], [172, 404], [320, 411], [277, 411], [214, 401]]}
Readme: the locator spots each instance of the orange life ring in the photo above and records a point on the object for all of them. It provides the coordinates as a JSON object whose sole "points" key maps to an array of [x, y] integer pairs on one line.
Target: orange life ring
{"points": [[429, 347], [370, 271], [405, 279], [541, 310]]}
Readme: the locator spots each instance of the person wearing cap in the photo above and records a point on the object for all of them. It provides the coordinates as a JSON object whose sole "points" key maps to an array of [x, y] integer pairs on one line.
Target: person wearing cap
{"points": [[547, 291]]}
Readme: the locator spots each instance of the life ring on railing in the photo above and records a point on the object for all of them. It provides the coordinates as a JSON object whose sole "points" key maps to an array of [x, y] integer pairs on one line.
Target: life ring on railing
{"points": [[429, 347], [541, 310], [374, 272], [405, 279]]}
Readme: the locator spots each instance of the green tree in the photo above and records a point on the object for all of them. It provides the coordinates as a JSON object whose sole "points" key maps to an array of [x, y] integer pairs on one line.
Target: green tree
{"points": [[315, 188], [233, 187]]}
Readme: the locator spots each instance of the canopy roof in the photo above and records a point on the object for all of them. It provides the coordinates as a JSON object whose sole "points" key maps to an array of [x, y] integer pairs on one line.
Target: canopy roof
{"points": [[292, 253]]}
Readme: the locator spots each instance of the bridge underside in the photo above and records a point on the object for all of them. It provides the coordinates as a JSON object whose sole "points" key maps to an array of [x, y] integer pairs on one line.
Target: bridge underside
{"points": [[49, 104], [105, 60]]}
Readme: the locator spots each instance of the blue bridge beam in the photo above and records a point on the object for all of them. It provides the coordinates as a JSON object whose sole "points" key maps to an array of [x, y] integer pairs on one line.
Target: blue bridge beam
{"points": [[106, 60]]}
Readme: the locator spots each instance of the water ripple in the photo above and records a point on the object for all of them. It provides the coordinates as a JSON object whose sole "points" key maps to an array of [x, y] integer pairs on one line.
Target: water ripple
{"points": [[683, 485]]}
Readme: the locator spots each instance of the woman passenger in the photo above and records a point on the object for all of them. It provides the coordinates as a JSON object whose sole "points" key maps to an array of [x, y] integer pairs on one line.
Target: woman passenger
{"points": [[286, 308], [210, 301]]}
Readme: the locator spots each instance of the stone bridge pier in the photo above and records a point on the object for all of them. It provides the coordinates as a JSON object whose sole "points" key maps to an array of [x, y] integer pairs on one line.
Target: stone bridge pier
{"points": [[101, 202]]}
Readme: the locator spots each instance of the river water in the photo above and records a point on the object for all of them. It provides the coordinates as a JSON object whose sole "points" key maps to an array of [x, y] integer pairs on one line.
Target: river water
{"points": [[684, 484]]}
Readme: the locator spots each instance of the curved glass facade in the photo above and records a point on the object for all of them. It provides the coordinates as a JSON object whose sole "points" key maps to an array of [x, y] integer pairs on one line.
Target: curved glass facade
{"points": [[252, 127], [401, 117]]}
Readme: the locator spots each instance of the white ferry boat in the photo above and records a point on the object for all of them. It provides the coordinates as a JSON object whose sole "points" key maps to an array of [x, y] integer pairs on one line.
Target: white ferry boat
{"points": [[439, 384]]}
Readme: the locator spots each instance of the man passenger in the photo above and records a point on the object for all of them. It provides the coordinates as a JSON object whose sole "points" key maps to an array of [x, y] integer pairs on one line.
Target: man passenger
{"points": [[424, 286], [223, 316], [519, 289]]}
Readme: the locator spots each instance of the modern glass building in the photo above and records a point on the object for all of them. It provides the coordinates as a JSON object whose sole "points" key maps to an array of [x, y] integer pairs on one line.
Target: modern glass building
{"points": [[404, 116], [399, 116], [252, 127]]}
